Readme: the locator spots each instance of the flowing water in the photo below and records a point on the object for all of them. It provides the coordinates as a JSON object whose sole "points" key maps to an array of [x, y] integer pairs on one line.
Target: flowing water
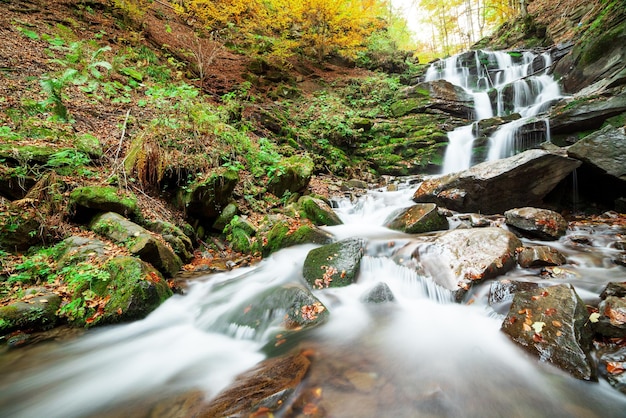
{"points": [[421, 356], [501, 84]]}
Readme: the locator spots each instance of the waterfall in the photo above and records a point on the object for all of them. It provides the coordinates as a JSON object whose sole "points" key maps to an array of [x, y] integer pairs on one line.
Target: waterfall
{"points": [[502, 84]]}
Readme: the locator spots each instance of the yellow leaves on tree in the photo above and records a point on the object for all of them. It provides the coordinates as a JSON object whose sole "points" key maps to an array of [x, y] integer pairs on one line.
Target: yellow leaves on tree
{"points": [[315, 28]]}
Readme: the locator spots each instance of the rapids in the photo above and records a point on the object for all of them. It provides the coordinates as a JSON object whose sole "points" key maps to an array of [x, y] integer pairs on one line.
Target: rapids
{"points": [[421, 356]]}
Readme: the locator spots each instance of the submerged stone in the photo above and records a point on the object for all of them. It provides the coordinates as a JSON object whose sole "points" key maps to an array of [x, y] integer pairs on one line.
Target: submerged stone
{"points": [[552, 323]]}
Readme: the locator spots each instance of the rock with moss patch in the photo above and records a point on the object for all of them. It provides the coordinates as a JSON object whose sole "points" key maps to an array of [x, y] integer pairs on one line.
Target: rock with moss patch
{"points": [[227, 215], [174, 236], [87, 200], [293, 175], [240, 232], [19, 228], [334, 265], [30, 313], [318, 211], [285, 234], [138, 241], [416, 219], [90, 145], [206, 199]]}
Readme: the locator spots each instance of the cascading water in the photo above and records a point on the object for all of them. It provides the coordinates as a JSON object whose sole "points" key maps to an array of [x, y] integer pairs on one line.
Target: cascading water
{"points": [[502, 84], [421, 355]]}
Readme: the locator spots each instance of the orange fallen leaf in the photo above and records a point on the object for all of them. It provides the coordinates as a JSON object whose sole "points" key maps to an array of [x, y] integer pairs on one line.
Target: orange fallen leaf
{"points": [[615, 367]]}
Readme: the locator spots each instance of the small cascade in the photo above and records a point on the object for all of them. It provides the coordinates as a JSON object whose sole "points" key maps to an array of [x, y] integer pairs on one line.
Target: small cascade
{"points": [[501, 83]]}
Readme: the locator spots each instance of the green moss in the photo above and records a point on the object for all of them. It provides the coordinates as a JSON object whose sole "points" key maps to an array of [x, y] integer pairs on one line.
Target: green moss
{"points": [[106, 199], [282, 236], [406, 106]]}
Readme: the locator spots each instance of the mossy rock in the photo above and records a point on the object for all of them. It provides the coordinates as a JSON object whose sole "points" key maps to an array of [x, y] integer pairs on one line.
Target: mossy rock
{"points": [[416, 219], [334, 265], [138, 241], [240, 233], [89, 145], [28, 154], [407, 106], [207, 198], [19, 229], [282, 235], [293, 175], [37, 313], [179, 241], [227, 215], [318, 211], [103, 199]]}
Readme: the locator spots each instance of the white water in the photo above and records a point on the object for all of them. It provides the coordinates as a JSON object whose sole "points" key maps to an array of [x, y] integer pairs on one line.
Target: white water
{"points": [[517, 90], [420, 356]]}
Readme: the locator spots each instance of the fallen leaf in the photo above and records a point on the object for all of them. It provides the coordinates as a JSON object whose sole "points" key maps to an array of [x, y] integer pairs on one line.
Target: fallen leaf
{"points": [[538, 326], [557, 324], [615, 367], [594, 317]]}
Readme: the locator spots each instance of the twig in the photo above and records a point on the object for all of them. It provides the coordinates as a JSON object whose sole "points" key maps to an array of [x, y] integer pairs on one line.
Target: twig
{"points": [[119, 146]]}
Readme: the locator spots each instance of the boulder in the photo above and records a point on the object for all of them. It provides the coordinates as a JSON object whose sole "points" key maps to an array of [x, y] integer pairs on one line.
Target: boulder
{"points": [[536, 223], [457, 259], [440, 95], [552, 323], [19, 228], [583, 114], [206, 199], [293, 175], [318, 211], [612, 310], [240, 232], [540, 256], [35, 311], [92, 199], [138, 241], [334, 265], [496, 186], [416, 219], [227, 215], [286, 233], [261, 391], [174, 236]]}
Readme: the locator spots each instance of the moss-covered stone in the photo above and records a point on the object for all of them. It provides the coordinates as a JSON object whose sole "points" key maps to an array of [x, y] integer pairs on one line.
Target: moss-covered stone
{"points": [[283, 234], [334, 265], [240, 233], [293, 175], [90, 145], [19, 229], [103, 199], [179, 241], [227, 215], [318, 211], [207, 198], [35, 314]]}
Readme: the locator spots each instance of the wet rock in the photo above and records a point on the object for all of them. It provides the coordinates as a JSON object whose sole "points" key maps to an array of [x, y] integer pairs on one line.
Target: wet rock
{"points": [[612, 311], [87, 200], [496, 186], [612, 366], [263, 390], [416, 219], [584, 114], [459, 258], [536, 223], [334, 265], [294, 177], [318, 211], [439, 94], [380, 293], [138, 241], [539, 256], [552, 323], [33, 312], [502, 291], [284, 234]]}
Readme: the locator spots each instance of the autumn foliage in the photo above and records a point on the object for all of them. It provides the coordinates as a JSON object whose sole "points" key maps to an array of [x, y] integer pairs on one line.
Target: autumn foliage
{"points": [[283, 28]]}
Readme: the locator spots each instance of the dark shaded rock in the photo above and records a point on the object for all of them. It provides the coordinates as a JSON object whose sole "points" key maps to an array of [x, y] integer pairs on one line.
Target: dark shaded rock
{"points": [[21, 228], [459, 258], [283, 235], [318, 211], [227, 215], [138, 241], [502, 291], [78, 249], [496, 186], [604, 150], [30, 313], [174, 236], [539, 256], [536, 223], [585, 114], [206, 199], [94, 199], [267, 388], [552, 323], [334, 265], [612, 366], [416, 219], [294, 177], [612, 311], [380, 293]]}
